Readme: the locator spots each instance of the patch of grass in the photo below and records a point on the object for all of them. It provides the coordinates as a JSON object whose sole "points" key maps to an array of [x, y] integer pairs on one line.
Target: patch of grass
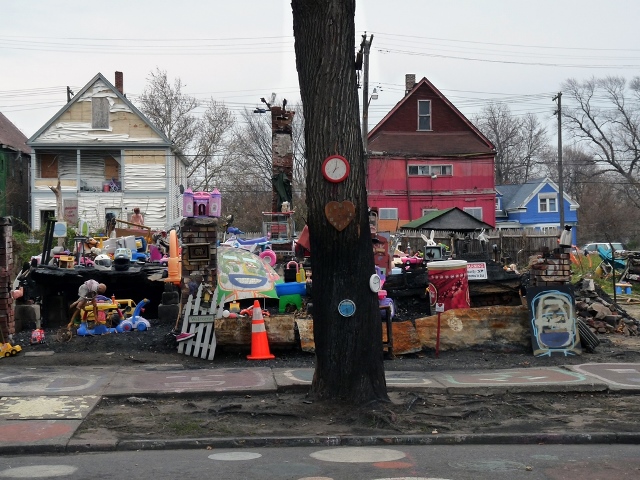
{"points": [[184, 428]]}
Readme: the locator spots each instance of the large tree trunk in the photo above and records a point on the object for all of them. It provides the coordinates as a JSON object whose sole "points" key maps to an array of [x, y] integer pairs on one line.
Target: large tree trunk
{"points": [[349, 363]]}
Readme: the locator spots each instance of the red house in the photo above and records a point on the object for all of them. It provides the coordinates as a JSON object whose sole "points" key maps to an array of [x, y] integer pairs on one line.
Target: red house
{"points": [[425, 155]]}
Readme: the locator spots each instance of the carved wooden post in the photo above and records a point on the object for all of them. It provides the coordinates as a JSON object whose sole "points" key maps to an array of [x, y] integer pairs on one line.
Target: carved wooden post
{"points": [[57, 191]]}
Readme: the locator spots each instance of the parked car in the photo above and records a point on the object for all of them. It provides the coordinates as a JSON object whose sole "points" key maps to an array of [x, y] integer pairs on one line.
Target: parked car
{"points": [[593, 247]]}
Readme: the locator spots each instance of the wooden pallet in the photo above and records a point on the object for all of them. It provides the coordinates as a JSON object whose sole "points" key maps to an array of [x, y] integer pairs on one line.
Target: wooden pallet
{"points": [[199, 320]]}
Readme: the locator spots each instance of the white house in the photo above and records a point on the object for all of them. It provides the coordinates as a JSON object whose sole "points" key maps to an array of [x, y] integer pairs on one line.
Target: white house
{"points": [[109, 158]]}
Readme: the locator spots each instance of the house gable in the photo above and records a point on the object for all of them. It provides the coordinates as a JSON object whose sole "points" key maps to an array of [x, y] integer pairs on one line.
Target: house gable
{"points": [[12, 137], [522, 202], [448, 131], [99, 113]]}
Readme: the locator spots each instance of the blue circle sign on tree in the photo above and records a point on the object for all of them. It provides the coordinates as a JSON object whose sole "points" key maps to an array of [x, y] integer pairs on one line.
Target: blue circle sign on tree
{"points": [[346, 308]]}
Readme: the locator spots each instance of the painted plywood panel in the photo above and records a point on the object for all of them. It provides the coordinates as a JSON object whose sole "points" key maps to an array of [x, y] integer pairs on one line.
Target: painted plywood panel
{"points": [[43, 184], [132, 125], [554, 330], [145, 157]]}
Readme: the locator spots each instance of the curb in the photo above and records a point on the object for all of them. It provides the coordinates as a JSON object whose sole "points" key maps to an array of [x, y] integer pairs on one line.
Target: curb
{"points": [[566, 438]]}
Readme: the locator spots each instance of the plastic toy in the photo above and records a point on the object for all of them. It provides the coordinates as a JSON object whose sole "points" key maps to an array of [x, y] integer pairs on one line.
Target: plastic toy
{"points": [[37, 336], [270, 256], [291, 288], [174, 263], [135, 321], [8, 350], [100, 329]]}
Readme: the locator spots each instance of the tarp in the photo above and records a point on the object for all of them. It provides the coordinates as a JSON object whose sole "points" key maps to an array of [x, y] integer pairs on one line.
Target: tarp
{"points": [[242, 274], [607, 255]]}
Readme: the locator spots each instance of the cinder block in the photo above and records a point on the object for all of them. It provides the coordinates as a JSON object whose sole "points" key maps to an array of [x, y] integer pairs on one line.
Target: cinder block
{"points": [[26, 316], [170, 298], [168, 314]]}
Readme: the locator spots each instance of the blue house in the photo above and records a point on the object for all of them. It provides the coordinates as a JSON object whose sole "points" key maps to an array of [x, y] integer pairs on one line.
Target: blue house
{"points": [[534, 204]]}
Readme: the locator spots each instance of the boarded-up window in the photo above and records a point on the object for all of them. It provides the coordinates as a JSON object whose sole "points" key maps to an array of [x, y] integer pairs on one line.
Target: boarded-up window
{"points": [[99, 112], [48, 165], [111, 169]]}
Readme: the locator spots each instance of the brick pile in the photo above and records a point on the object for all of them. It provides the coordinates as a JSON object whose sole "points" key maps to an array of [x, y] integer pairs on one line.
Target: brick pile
{"points": [[550, 268]]}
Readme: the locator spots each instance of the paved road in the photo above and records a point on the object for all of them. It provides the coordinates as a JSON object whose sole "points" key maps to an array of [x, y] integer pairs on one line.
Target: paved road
{"points": [[459, 462]]}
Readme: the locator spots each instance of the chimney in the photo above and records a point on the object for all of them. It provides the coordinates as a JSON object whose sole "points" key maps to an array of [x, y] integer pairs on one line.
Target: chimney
{"points": [[119, 82], [409, 82]]}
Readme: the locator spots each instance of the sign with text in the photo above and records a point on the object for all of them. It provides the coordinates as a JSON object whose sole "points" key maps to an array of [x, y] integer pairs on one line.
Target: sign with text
{"points": [[477, 270], [201, 319], [70, 207]]}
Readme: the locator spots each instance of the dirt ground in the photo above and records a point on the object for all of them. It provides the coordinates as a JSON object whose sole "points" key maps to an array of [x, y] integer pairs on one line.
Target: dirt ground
{"points": [[293, 414]]}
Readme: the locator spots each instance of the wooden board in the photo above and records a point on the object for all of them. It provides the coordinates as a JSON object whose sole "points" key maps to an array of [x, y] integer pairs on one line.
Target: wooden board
{"points": [[199, 321]]}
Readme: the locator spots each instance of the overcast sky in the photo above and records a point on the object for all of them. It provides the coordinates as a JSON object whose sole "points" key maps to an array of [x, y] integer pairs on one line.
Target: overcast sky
{"points": [[474, 51]]}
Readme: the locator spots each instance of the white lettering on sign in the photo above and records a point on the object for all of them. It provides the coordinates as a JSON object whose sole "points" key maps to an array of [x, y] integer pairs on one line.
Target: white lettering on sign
{"points": [[477, 271]]}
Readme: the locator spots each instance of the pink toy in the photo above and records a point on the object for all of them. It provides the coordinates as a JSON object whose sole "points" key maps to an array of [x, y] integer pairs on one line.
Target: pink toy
{"points": [[215, 204], [201, 204], [187, 203]]}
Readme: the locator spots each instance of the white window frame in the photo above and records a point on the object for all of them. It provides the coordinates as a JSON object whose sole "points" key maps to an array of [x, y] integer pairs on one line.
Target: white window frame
{"points": [[444, 170], [427, 211], [498, 204], [425, 115], [418, 170], [473, 211], [387, 214], [544, 202]]}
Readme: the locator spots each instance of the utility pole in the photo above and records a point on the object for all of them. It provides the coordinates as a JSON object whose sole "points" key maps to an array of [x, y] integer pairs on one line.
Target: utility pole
{"points": [[560, 177], [365, 47]]}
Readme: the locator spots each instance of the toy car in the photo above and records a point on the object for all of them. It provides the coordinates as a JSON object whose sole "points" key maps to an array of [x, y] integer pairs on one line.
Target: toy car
{"points": [[8, 350]]}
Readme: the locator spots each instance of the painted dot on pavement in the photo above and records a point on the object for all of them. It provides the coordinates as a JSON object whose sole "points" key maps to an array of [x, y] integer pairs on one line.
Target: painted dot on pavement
{"points": [[38, 471], [358, 455], [234, 456]]}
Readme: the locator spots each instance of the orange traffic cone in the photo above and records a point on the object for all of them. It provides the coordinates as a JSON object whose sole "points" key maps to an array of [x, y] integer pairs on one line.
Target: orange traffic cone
{"points": [[259, 341]]}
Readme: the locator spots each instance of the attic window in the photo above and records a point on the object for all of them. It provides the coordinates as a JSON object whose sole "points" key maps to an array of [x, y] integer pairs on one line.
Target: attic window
{"points": [[100, 113], [424, 115], [547, 202]]}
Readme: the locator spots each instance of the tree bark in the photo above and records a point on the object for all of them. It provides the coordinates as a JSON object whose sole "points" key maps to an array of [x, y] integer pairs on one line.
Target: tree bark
{"points": [[349, 357], [57, 191]]}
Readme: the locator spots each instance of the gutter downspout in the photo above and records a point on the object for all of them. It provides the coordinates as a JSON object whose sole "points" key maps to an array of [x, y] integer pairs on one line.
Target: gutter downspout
{"points": [[406, 172]]}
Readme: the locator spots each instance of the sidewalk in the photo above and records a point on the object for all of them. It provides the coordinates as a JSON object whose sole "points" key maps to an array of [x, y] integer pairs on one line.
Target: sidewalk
{"points": [[41, 408]]}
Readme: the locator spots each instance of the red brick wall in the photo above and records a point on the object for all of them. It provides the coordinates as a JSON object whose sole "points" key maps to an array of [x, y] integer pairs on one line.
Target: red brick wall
{"points": [[7, 323]]}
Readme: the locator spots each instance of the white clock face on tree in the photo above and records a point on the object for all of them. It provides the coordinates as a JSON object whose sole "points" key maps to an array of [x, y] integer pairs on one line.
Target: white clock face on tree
{"points": [[335, 169], [374, 283]]}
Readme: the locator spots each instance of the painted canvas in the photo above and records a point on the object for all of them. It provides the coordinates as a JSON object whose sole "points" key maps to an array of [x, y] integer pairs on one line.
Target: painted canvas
{"points": [[242, 275], [554, 330]]}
